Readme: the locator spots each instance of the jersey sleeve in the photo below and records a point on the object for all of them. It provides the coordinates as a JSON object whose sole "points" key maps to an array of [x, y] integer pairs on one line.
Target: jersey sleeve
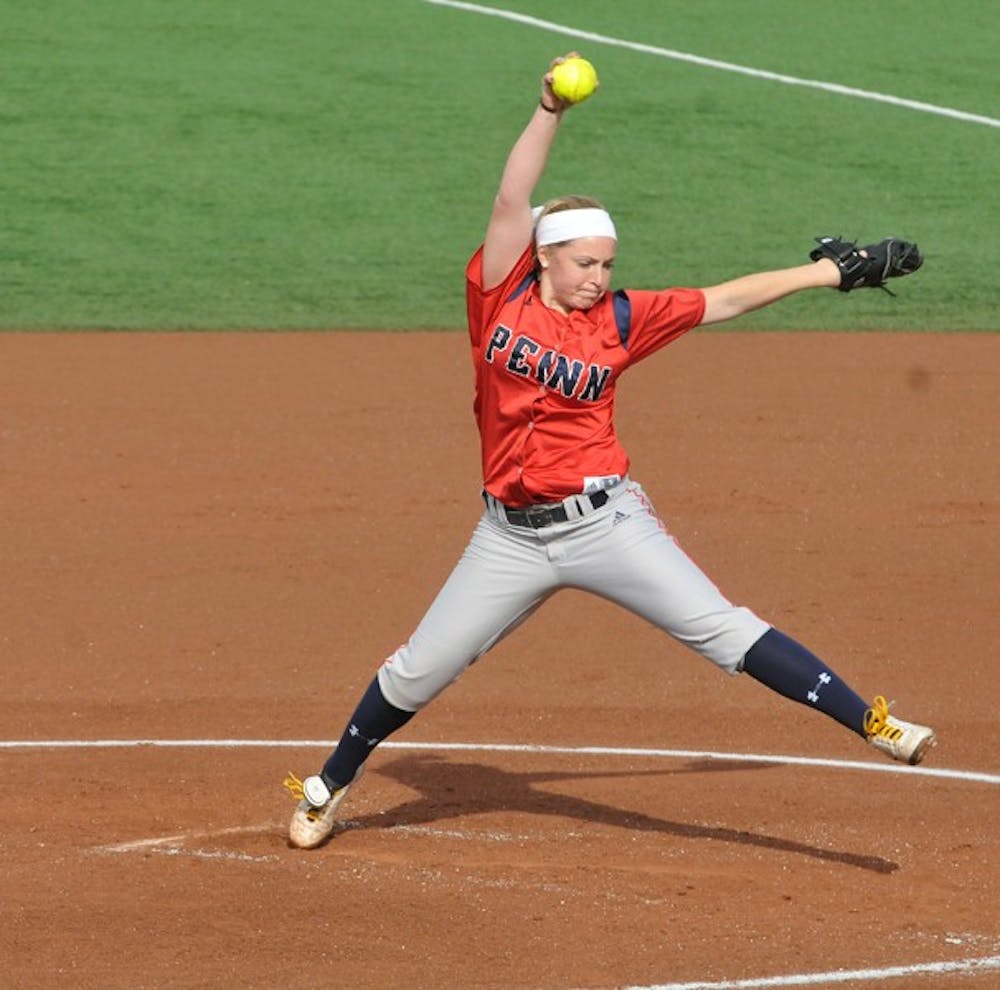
{"points": [[482, 305], [658, 318]]}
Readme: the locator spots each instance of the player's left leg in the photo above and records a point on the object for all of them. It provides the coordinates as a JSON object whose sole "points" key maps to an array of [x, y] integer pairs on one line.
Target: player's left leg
{"points": [[638, 564], [786, 666], [628, 557]]}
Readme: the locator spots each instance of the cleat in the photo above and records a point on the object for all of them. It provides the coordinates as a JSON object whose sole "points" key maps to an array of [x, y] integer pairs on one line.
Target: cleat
{"points": [[313, 822], [903, 741]]}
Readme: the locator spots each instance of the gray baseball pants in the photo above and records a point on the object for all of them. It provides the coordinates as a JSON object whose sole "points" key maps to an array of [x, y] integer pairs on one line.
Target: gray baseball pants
{"points": [[621, 551]]}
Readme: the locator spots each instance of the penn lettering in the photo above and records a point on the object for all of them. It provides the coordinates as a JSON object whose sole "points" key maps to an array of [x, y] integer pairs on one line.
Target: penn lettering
{"points": [[565, 376], [570, 377], [515, 362], [544, 368], [498, 341], [597, 378]]}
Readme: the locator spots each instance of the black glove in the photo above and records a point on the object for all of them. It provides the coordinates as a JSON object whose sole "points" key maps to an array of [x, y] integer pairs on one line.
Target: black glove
{"points": [[871, 266]]}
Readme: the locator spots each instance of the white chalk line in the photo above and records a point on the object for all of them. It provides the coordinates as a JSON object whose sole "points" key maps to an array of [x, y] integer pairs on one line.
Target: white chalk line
{"points": [[711, 63], [966, 967], [176, 845], [967, 776], [210, 854], [462, 835]]}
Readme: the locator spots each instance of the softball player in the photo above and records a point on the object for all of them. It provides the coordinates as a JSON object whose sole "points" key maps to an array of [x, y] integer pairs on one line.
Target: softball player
{"points": [[549, 341]]}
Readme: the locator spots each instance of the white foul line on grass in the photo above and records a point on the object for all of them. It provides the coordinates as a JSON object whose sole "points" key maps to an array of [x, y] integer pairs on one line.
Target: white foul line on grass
{"points": [[711, 63], [964, 966], [968, 776]]}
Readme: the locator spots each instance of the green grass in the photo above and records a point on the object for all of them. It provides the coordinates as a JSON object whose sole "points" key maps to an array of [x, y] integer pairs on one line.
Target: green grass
{"points": [[265, 165]]}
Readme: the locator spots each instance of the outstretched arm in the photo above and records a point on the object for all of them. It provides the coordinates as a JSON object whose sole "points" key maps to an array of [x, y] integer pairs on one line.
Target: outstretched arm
{"points": [[837, 264], [509, 230], [742, 295]]}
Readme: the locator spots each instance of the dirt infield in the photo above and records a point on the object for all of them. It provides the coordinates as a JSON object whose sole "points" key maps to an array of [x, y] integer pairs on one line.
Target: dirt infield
{"points": [[213, 537]]}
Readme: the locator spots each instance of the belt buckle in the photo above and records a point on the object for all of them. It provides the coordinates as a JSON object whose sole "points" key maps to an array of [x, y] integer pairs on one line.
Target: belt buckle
{"points": [[538, 516]]}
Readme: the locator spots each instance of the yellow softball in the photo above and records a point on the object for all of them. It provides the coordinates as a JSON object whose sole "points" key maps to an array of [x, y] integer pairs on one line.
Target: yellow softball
{"points": [[574, 80]]}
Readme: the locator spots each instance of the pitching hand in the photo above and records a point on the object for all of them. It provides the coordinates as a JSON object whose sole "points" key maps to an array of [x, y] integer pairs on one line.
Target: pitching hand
{"points": [[549, 98]]}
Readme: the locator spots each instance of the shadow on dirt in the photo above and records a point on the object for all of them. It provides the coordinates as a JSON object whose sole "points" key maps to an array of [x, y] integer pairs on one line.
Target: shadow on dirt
{"points": [[448, 790]]}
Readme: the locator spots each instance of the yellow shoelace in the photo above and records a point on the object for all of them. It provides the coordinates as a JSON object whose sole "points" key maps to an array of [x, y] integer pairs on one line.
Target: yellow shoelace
{"points": [[877, 720], [293, 785]]}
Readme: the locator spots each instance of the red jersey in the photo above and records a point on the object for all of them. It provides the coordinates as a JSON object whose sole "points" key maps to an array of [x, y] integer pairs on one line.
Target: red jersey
{"points": [[545, 382]]}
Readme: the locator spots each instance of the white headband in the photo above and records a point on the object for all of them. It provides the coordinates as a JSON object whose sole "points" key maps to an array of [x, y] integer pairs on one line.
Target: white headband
{"points": [[567, 225]]}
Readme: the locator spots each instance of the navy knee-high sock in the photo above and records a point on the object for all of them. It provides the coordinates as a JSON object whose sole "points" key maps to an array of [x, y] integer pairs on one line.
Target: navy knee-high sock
{"points": [[373, 720], [785, 666]]}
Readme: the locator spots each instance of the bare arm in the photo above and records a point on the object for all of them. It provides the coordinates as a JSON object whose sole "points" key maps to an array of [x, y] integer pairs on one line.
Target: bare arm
{"points": [[742, 295], [509, 230]]}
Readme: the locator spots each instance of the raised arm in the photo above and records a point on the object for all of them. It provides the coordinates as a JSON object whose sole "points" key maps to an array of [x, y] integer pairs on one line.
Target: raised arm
{"points": [[509, 230]]}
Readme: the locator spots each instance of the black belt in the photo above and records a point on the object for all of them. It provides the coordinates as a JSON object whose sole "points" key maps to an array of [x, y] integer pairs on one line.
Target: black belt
{"points": [[540, 516]]}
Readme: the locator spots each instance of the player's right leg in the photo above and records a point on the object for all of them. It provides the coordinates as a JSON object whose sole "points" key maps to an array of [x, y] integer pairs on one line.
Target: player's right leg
{"points": [[502, 577]]}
